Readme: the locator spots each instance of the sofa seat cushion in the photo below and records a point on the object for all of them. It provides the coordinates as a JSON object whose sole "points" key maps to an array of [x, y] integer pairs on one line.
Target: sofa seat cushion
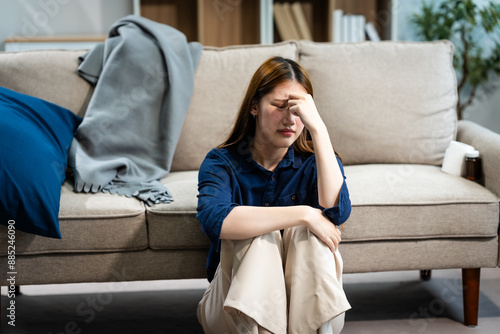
{"points": [[390, 202], [89, 223], [398, 202], [174, 225]]}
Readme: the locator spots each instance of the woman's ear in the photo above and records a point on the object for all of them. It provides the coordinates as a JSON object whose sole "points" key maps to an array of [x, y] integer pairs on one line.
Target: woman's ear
{"points": [[253, 110]]}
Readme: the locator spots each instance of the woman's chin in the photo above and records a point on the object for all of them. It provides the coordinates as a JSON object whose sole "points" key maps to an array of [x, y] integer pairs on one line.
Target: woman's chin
{"points": [[284, 142]]}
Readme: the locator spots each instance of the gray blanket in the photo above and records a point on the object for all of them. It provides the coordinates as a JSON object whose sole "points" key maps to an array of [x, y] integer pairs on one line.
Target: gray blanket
{"points": [[144, 75]]}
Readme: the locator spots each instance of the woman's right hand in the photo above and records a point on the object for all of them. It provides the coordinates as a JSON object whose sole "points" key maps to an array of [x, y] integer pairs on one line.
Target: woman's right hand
{"points": [[324, 229]]}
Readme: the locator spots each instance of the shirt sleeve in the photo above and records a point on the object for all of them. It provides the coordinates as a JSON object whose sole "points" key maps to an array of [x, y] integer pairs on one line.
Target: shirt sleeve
{"points": [[340, 213], [214, 196]]}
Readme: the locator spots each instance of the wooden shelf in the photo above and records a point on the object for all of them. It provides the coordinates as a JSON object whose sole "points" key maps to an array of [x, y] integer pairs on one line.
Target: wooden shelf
{"points": [[55, 38], [233, 22], [75, 42], [180, 14], [228, 22]]}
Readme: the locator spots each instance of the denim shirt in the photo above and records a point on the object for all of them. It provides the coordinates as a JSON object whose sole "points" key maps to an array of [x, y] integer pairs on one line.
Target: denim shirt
{"points": [[229, 177]]}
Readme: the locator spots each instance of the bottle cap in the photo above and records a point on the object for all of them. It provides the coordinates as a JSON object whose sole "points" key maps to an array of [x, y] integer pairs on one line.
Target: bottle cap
{"points": [[472, 154]]}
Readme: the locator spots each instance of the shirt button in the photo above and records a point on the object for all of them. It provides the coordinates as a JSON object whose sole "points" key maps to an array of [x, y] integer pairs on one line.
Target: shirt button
{"points": [[293, 197], [267, 204], [272, 178]]}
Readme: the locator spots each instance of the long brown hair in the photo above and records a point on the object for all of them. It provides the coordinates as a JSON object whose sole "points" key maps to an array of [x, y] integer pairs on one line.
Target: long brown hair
{"points": [[270, 74]]}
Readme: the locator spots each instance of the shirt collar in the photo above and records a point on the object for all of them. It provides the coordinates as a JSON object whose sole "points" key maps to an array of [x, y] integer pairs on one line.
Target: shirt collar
{"points": [[245, 163]]}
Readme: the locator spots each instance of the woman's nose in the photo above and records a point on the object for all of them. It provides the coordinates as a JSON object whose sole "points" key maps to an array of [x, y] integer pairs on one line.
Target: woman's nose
{"points": [[288, 118]]}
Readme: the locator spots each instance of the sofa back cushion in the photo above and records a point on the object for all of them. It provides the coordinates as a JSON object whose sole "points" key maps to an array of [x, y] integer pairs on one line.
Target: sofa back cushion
{"points": [[388, 102], [47, 74], [221, 80]]}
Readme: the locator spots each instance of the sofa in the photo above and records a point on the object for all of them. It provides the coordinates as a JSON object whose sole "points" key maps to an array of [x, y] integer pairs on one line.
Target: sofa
{"points": [[390, 110]]}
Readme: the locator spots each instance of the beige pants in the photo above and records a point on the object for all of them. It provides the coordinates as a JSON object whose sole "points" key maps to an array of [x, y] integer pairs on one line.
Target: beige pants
{"points": [[292, 285]]}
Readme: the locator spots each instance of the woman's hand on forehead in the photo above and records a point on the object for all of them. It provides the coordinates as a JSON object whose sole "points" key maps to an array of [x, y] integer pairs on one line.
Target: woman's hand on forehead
{"points": [[303, 106]]}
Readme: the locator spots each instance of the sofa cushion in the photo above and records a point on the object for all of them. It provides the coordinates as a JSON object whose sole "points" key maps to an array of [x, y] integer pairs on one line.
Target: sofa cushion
{"points": [[388, 102], [221, 79], [47, 74], [174, 225], [361, 257], [35, 137], [390, 202], [89, 223], [408, 202]]}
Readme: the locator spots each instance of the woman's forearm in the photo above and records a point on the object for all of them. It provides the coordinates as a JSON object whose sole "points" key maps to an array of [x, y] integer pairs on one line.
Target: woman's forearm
{"points": [[330, 177], [245, 222]]}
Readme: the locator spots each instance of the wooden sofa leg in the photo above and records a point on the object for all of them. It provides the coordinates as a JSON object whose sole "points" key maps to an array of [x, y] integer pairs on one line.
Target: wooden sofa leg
{"points": [[425, 275], [470, 286]]}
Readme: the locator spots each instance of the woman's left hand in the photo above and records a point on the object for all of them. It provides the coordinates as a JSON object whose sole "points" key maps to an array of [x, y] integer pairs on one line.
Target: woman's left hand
{"points": [[303, 106]]}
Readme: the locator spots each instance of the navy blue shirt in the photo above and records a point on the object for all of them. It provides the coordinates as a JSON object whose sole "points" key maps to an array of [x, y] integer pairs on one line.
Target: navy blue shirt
{"points": [[229, 177]]}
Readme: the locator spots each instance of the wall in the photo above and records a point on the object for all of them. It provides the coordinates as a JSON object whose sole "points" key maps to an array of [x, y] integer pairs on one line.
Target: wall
{"points": [[59, 17], [486, 108]]}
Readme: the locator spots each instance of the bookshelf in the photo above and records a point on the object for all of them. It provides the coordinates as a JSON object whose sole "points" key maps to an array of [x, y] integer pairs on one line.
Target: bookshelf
{"points": [[210, 22], [380, 12], [233, 22]]}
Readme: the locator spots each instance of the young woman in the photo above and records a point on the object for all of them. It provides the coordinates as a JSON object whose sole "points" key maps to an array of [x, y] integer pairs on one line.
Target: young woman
{"points": [[276, 172]]}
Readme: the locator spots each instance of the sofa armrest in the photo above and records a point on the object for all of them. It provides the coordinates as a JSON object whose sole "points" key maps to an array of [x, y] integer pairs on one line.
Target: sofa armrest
{"points": [[487, 143]]}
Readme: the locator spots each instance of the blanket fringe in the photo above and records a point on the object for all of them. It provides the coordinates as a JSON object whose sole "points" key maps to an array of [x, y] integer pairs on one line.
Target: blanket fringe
{"points": [[151, 193], [82, 187]]}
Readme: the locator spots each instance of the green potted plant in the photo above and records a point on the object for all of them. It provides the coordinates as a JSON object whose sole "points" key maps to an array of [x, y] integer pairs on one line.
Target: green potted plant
{"points": [[464, 23]]}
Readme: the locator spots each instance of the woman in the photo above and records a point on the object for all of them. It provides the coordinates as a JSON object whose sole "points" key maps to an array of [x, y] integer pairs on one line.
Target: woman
{"points": [[276, 172]]}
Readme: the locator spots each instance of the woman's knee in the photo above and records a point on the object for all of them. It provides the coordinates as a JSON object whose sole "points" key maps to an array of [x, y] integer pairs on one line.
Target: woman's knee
{"points": [[296, 233]]}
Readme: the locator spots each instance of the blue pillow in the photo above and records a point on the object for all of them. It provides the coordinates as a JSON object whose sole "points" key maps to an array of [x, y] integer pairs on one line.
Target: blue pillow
{"points": [[35, 137]]}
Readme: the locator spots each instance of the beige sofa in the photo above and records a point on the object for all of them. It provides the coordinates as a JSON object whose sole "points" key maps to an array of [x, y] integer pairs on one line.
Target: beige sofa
{"points": [[390, 110]]}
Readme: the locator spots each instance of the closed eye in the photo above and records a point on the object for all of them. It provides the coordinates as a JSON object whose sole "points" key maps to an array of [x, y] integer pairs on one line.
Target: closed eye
{"points": [[283, 106]]}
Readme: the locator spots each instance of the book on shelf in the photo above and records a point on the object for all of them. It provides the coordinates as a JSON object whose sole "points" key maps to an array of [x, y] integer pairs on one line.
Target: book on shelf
{"points": [[358, 28], [300, 21], [282, 24], [287, 9], [371, 32], [337, 25], [266, 21], [290, 21], [347, 28]]}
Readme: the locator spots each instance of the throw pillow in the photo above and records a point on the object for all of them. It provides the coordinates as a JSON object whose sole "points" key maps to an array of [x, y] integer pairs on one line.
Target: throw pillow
{"points": [[35, 136]]}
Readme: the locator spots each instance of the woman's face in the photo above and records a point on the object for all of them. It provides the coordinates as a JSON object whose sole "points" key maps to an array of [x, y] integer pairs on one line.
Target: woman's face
{"points": [[276, 126]]}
